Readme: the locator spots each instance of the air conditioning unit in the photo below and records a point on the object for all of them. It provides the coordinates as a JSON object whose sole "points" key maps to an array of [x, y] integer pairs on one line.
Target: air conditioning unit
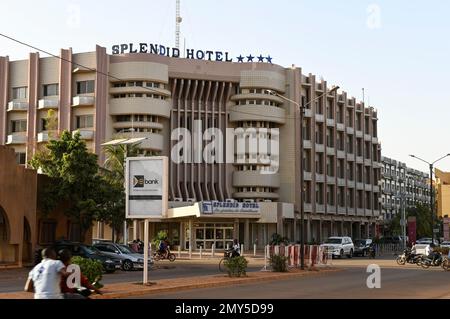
{"points": [[248, 200], [191, 200], [178, 199]]}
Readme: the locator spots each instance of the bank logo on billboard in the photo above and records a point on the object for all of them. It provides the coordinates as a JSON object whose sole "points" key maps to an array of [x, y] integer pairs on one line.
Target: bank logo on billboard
{"points": [[138, 181]]}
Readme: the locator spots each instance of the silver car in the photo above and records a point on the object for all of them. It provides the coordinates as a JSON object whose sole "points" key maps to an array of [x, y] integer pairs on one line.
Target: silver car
{"points": [[129, 258]]}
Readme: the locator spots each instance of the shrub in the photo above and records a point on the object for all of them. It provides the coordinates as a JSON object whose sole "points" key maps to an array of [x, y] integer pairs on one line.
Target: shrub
{"points": [[279, 263], [162, 235], [278, 240], [90, 268], [236, 266]]}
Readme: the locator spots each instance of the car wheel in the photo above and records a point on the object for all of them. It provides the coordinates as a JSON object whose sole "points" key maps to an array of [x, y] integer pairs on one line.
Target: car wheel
{"points": [[127, 265], [351, 254], [341, 254]]}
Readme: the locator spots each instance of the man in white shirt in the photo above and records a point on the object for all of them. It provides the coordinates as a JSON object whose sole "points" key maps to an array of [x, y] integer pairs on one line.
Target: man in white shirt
{"points": [[46, 276]]}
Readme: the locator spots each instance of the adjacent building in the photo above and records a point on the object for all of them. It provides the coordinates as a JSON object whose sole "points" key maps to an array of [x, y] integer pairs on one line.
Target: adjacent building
{"points": [[151, 95], [402, 185], [443, 193]]}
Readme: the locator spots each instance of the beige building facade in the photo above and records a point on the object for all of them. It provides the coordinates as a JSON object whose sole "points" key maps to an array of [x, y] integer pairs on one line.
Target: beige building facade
{"points": [[107, 97]]}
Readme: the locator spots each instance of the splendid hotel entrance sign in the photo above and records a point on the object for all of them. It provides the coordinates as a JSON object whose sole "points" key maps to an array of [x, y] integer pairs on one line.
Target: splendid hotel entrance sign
{"points": [[146, 193]]}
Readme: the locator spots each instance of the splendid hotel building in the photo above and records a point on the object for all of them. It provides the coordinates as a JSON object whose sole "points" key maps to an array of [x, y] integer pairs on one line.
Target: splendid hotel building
{"points": [[150, 95]]}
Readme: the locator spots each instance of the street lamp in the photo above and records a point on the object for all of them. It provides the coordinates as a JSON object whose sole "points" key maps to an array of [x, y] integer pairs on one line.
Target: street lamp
{"points": [[301, 109], [431, 190]]}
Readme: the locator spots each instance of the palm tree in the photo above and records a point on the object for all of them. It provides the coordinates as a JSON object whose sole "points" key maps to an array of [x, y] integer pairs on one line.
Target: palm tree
{"points": [[114, 167]]}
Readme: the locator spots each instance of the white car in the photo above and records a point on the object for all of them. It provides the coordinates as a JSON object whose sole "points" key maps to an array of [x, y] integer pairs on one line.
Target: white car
{"points": [[445, 244], [339, 246]]}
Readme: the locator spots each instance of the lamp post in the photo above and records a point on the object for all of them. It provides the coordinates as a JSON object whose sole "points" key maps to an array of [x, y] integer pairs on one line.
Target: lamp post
{"points": [[302, 109], [431, 189]]}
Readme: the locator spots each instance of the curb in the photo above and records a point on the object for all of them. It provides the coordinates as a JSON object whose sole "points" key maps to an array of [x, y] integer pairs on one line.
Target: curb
{"points": [[224, 281]]}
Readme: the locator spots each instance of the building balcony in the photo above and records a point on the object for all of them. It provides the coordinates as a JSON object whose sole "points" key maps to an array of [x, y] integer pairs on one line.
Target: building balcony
{"points": [[16, 138], [307, 144], [320, 148], [350, 130], [360, 186], [367, 137], [331, 180], [351, 157], [47, 104], [330, 122], [367, 162], [255, 195], [135, 124], [368, 212], [350, 184], [85, 134], [308, 113], [255, 178], [239, 113], [83, 101], [368, 187], [42, 137], [331, 209], [166, 93], [351, 211], [374, 140], [320, 208], [359, 159], [320, 118], [340, 127], [330, 151], [360, 211], [359, 134], [341, 182], [17, 106], [307, 207], [342, 210], [376, 212], [320, 178], [152, 141], [307, 176], [376, 189]]}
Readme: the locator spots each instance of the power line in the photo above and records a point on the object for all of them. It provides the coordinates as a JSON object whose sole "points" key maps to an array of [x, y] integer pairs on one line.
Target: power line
{"points": [[121, 80]]}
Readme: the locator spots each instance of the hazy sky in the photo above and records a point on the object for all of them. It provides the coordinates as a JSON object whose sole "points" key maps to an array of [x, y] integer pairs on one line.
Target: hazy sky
{"points": [[398, 50]]}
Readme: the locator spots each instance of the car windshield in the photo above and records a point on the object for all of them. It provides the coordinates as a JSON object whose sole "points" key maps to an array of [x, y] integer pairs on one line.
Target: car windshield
{"points": [[125, 250], [333, 241], [89, 250]]}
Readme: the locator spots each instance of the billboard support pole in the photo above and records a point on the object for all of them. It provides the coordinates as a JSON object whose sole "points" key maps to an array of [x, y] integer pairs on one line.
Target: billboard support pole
{"points": [[145, 280]]}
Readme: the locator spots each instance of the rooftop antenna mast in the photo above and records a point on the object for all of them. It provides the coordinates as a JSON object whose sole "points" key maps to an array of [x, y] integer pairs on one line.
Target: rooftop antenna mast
{"points": [[178, 21]]}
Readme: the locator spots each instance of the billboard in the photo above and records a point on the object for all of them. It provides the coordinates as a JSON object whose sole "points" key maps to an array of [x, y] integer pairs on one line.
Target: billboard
{"points": [[146, 187]]}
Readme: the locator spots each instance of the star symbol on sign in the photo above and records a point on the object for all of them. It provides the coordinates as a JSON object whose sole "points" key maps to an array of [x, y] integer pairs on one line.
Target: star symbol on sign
{"points": [[240, 58], [250, 58], [269, 59], [261, 58]]}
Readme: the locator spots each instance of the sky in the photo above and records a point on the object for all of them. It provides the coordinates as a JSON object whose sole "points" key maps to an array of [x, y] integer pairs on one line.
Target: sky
{"points": [[397, 50]]}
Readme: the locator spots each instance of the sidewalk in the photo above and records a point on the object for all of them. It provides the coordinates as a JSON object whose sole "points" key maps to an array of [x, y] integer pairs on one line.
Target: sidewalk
{"points": [[121, 290]]}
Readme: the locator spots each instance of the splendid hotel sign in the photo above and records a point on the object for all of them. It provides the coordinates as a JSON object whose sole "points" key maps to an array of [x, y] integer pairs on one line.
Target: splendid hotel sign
{"points": [[189, 54], [215, 207]]}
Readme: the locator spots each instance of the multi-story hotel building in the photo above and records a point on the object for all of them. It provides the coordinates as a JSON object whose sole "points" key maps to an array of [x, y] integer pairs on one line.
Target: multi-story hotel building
{"points": [[149, 95], [402, 185]]}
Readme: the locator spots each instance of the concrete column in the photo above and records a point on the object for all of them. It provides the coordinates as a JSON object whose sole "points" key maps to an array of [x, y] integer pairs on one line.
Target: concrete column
{"points": [[308, 230], [182, 235], [236, 229], [332, 228], [320, 231], [367, 230], [342, 228], [135, 229], [358, 229], [351, 229], [247, 243]]}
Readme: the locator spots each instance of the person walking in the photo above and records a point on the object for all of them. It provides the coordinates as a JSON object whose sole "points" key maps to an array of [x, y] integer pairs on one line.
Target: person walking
{"points": [[45, 277]]}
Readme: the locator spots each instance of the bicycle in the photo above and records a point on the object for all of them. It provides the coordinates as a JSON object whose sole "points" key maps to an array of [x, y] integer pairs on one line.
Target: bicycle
{"points": [[227, 255]]}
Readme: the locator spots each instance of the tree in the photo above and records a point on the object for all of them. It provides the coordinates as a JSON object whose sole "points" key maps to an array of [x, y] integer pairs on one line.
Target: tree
{"points": [[114, 173], [76, 181], [423, 221]]}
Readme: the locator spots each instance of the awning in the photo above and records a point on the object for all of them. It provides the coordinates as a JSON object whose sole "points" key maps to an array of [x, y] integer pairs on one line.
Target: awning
{"points": [[125, 141]]}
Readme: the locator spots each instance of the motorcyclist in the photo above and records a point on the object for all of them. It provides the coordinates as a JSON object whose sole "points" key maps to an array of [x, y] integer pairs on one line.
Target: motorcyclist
{"points": [[236, 250], [163, 248]]}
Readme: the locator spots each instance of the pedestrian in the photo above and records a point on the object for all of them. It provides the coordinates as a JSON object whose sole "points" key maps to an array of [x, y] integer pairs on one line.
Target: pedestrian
{"points": [[236, 249], [45, 278]]}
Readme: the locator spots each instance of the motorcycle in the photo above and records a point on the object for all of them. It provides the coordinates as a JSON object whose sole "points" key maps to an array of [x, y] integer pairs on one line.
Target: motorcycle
{"points": [[408, 257], [158, 255], [435, 259]]}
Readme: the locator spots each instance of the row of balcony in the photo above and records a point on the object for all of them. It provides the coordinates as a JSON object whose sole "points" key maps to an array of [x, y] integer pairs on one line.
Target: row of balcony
{"points": [[308, 208], [44, 104], [20, 138]]}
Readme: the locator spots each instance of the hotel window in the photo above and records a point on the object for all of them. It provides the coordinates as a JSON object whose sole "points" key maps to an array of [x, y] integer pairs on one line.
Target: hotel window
{"points": [[20, 93], [135, 83], [44, 125], [84, 121], [84, 87], [21, 158], [123, 118], [18, 126], [51, 89], [119, 85]]}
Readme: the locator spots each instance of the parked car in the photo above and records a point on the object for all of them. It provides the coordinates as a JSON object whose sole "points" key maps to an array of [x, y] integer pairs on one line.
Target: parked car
{"points": [[427, 241], [445, 244], [362, 247], [391, 240], [129, 259], [339, 246], [109, 262]]}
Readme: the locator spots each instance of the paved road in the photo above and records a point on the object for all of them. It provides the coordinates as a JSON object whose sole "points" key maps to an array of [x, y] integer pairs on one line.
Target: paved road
{"points": [[14, 279], [396, 282]]}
